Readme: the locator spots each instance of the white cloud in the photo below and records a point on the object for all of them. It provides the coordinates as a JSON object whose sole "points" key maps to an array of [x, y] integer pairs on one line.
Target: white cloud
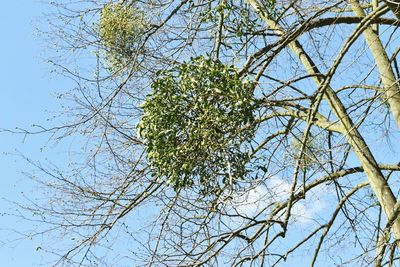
{"points": [[252, 202]]}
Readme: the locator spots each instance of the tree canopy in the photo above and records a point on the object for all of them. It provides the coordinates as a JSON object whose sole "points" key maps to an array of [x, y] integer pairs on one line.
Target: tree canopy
{"points": [[226, 133]]}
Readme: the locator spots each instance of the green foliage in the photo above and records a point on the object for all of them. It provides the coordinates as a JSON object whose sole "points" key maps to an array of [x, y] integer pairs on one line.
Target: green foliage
{"points": [[120, 29], [272, 9], [196, 122], [239, 18]]}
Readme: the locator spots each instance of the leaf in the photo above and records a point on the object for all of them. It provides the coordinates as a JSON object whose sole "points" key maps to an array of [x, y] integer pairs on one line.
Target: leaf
{"points": [[192, 123]]}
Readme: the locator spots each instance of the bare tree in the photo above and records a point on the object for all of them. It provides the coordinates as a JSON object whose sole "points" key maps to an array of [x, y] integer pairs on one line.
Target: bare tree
{"points": [[226, 133]]}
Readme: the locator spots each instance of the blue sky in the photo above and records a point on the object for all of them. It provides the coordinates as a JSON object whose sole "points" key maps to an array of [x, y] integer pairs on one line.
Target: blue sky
{"points": [[25, 98]]}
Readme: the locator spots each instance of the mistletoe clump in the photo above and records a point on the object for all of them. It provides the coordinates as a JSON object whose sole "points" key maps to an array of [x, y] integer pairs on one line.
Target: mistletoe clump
{"points": [[196, 122], [120, 29]]}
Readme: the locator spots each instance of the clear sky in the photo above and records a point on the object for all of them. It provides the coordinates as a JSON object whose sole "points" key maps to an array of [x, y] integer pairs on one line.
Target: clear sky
{"points": [[25, 98]]}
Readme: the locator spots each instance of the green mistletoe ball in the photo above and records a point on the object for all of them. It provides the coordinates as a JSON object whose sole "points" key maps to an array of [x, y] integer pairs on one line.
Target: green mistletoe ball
{"points": [[196, 124], [120, 30]]}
